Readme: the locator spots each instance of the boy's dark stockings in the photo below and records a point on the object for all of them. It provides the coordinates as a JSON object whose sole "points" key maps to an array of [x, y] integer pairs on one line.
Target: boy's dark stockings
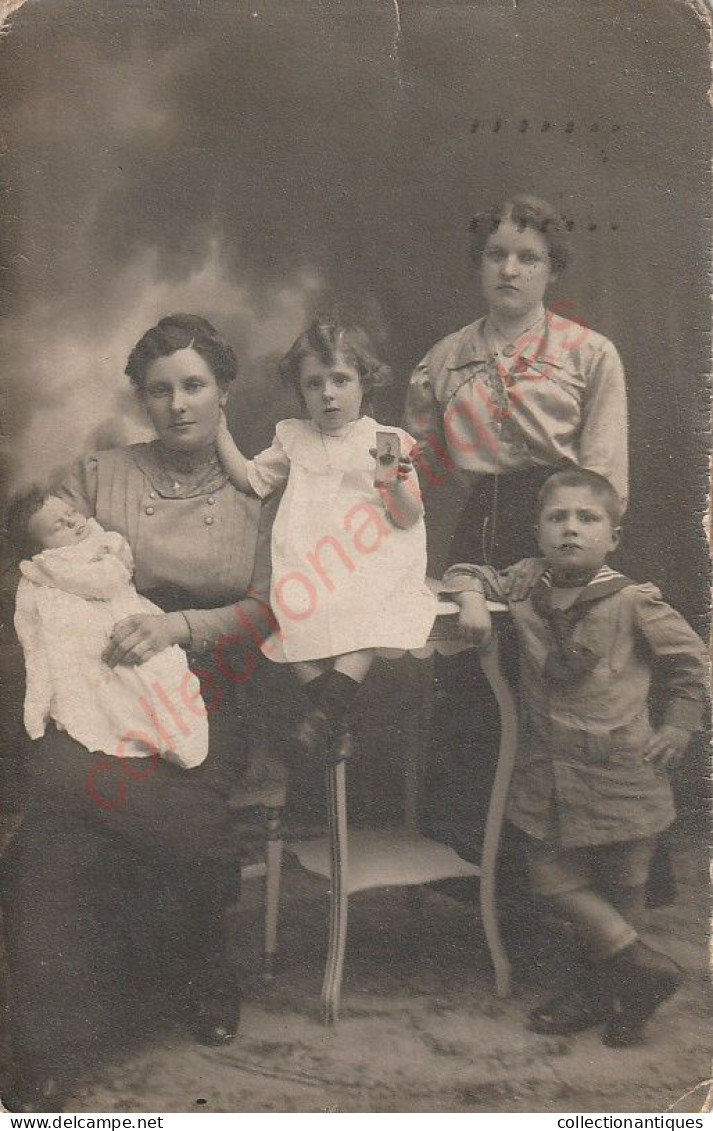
{"points": [[323, 732]]}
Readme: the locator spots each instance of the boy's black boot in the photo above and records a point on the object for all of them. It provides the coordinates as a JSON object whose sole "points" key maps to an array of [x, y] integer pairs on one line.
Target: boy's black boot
{"points": [[587, 1003], [642, 979], [322, 732]]}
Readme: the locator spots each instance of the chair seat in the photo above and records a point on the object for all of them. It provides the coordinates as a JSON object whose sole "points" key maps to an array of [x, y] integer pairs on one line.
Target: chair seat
{"points": [[386, 858]]}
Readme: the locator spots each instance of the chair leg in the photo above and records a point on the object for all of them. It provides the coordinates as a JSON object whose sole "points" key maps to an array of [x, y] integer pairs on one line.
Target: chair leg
{"points": [[338, 895], [490, 663], [273, 876]]}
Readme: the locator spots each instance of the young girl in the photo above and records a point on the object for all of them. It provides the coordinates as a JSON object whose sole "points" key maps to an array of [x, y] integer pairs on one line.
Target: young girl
{"points": [[348, 554]]}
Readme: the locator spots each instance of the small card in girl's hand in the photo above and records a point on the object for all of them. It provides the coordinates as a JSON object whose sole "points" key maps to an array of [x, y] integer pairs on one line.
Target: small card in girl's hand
{"points": [[388, 453]]}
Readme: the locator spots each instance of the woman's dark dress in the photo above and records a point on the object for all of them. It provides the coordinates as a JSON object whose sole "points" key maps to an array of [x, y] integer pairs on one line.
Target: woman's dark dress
{"points": [[115, 887]]}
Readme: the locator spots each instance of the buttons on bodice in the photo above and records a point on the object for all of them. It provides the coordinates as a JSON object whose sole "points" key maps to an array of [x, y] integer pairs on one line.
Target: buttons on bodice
{"points": [[210, 502]]}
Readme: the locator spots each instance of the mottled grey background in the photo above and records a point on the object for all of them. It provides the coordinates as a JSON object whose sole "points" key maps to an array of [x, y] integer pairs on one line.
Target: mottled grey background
{"points": [[258, 162]]}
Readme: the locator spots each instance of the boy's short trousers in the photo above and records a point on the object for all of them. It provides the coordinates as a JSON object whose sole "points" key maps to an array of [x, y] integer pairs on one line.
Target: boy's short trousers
{"points": [[555, 870]]}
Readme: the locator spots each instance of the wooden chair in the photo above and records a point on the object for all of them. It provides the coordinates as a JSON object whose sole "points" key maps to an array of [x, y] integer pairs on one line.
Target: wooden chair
{"points": [[263, 792], [402, 857]]}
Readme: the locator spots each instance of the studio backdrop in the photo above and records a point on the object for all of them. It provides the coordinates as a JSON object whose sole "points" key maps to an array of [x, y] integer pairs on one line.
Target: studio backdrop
{"points": [[263, 161]]}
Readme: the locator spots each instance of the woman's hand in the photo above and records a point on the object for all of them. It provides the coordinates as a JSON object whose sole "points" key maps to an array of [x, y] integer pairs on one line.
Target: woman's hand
{"points": [[666, 747], [137, 638]]}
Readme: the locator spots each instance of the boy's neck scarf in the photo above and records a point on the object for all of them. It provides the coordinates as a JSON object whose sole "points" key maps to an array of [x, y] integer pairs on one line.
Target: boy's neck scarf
{"points": [[569, 661]]}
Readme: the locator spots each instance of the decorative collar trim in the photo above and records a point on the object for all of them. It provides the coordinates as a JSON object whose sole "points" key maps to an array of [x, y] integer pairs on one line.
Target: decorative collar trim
{"points": [[205, 480]]}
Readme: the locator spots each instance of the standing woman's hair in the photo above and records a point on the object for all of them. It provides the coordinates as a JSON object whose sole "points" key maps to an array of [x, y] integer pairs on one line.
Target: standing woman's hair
{"points": [[327, 339], [179, 332], [524, 212]]}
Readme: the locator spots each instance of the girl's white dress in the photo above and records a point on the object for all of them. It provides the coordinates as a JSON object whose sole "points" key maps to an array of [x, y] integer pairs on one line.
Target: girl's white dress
{"points": [[68, 601], [344, 576]]}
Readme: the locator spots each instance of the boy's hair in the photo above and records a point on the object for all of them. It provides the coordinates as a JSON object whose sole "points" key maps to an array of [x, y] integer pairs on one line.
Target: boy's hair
{"points": [[593, 481], [17, 516], [524, 212], [326, 339]]}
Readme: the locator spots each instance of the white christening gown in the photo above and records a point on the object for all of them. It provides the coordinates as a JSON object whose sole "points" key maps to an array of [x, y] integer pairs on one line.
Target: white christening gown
{"points": [[68, 601]]}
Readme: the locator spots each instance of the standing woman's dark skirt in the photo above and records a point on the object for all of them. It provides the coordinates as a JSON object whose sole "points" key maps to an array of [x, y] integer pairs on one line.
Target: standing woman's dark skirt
{"points": [[497, 526], [114, 893]]}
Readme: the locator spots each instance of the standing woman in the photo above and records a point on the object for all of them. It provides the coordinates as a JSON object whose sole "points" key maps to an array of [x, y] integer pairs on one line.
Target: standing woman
{"points": [[116, 888], [521, 391], [499, 405]]}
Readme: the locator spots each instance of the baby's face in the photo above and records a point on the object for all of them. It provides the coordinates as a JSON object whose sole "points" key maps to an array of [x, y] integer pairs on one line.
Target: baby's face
{"points": [[56, 523]]}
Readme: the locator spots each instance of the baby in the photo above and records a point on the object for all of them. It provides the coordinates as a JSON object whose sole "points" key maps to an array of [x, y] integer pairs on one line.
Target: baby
{"points": [[591, 787], [75, 586]]}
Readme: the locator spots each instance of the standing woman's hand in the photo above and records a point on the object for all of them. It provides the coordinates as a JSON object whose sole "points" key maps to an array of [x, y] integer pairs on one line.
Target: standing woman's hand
{"points": [[137, 638]]}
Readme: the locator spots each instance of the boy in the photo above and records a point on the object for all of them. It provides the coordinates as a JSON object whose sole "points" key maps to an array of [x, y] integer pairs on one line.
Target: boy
{"points": [[590, 789]]}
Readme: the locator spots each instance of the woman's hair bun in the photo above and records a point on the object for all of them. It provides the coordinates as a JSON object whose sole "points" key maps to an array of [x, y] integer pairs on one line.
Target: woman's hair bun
{"points": [[178, 332]]}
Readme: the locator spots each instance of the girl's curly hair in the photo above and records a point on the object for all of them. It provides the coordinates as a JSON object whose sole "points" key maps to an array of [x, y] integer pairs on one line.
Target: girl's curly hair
{"points": [[327, 339]]}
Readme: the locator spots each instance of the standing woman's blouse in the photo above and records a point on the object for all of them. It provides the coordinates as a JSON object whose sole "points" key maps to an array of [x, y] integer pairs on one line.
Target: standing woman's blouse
{"points": [[201, 552], [559, 399]]}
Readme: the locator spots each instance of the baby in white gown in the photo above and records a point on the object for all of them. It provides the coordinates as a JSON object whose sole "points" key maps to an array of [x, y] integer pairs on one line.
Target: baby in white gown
{"points": [[71, 594]]}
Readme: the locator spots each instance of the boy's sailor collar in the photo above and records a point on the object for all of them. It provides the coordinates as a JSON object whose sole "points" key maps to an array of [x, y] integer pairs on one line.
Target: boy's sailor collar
{"points": [[569, 660], [474, 349], [601, 583]]}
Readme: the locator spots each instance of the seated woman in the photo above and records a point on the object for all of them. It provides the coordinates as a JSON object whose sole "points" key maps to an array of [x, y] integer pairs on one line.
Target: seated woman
{"points": [[115, 890]]}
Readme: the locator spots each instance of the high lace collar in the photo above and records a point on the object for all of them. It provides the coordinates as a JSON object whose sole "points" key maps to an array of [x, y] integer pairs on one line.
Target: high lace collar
{"points": [[178, 475]]}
